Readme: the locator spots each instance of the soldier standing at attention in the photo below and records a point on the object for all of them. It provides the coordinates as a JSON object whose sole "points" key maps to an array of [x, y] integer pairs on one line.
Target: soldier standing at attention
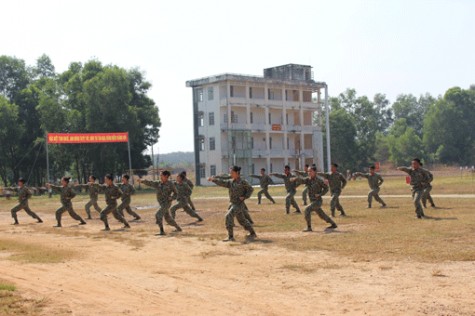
{"points": [[93, 195], [374, 180], [303, 173], [419, 178], [66, 195], [337, 183], [23, 195], [166, 193], [112, 193], [191, 185], [239, 190], [127, 190], [290, 188], [427, 188], [264, 182], [183, 193], [316, 189]]}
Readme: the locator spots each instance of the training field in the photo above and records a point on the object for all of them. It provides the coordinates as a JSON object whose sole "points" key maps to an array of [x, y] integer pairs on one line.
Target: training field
{"points": [[378, 261]]}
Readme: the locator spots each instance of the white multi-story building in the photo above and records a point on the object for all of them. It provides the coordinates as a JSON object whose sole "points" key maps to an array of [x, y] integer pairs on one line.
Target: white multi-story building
{"points": [[257, 122]]}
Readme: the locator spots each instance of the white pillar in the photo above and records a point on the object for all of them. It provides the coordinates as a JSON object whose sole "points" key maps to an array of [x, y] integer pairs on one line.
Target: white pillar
{"points": [[327, 116]]}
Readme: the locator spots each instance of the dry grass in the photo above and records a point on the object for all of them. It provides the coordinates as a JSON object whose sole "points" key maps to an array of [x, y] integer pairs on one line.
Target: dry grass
{"points": [[12, 303], [35, 252]]}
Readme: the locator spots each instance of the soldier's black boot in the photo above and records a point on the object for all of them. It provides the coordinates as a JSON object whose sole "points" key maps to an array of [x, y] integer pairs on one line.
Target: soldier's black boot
{"points": [[252, 233], [200, 219], [106, 228], [333, 213], [38, 219], [58, 224], [15, 219], [308, 229], [369, 205]]}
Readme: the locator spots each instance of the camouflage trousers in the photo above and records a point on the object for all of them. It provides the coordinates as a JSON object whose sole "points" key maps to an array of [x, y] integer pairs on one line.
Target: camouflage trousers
{"points": [[186, 207], [164, 212], [23, 206], [374, 193], [191, 204], [245, 210], [290, 200], [316, 206], [67, 208], [238, 211], [266, 194], [92, 202], [426, 196], [112, 208], [335, 203], [126, 205], [416, 198], [305, 195]]}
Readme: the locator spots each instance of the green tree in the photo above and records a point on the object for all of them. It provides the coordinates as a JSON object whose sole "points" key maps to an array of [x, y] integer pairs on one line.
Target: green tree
{"points": [[10, 133]]}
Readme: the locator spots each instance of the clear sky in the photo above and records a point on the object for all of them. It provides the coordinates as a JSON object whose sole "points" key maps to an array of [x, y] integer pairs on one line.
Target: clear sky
{"points": [[386, 46]]}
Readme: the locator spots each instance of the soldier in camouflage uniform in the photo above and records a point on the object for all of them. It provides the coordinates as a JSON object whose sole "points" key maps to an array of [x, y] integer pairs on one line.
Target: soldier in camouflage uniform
{"points": [[166, 193], [225, 176], [23, 195], [264, 182], [427, 188], [93, 195], [337, 183], [419, 179], [316, 189], [191, 185], [183, 193], [239, 190], [66, 195], [374, 180], [127, 190], [290, 188], [303, 173], [112, 193]]}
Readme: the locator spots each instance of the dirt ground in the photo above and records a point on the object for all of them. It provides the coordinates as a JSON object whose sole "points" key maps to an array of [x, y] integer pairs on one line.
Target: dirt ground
{"points": [[136, 273]]}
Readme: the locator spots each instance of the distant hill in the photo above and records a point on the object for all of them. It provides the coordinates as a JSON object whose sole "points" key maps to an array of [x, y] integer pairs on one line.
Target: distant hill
{"points": [[179, 158]]}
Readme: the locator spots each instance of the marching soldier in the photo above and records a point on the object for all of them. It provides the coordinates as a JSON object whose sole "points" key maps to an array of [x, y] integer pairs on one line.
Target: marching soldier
{"points": [[337, 183], [127, 190], [183, 193], [23, 195], [374, 181], [239, 190], [264, 182], [66, 195], [191, 185], [290, 188], [419, 178], [112, 193], [93, 196], [166, 193], [303, 173], [316, 189], [427, 188]]}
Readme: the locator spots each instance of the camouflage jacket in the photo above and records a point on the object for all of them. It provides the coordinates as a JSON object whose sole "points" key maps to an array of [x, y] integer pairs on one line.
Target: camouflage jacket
{"points": [[112, 192], [316, 186], [127, 190], [431, 178], [336, 181], [183, 191], [289, 186], [189, 182], [23, 194], [166, 191], [237, 188], [66, 193], [419, 177], [374, 181], [264, 181], [93, 191]]}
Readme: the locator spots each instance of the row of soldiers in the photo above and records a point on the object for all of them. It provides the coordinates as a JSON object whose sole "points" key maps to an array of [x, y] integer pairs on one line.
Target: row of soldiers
{"points": [[239, 191]]}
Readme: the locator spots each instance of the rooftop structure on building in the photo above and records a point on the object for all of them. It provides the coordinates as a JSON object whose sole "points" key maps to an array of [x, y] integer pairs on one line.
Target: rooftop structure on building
{"points": [[257, 122]]}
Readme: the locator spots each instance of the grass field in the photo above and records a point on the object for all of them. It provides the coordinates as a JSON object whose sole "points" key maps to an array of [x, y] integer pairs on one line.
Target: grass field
{"points": [[365, 235]]}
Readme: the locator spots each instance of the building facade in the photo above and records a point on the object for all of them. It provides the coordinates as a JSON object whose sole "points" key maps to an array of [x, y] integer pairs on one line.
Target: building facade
{"points": [[257, 122]]}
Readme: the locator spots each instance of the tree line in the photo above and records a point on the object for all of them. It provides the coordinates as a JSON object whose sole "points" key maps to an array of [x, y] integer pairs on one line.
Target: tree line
{"points": [[86, 98], [436, 129]]}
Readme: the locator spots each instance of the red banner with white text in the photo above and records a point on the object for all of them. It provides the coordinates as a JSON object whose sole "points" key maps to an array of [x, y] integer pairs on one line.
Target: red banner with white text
{"points": [[85, 138]]}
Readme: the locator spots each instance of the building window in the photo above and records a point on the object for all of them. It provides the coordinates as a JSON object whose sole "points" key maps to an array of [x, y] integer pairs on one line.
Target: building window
{"points": [[211, 118], [210, 93], [234, 117], [201, 119], [225, 117], [200, 95], [202, 144], [270, 119], [233, 143], [231, 91], [250, 92], [287, 118], [271, 169], [253, 169], [252, 142], [202, 171], [270, 94], [270, 142], [251, 117], [288, 143], [212, 170], [212, 143]]}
